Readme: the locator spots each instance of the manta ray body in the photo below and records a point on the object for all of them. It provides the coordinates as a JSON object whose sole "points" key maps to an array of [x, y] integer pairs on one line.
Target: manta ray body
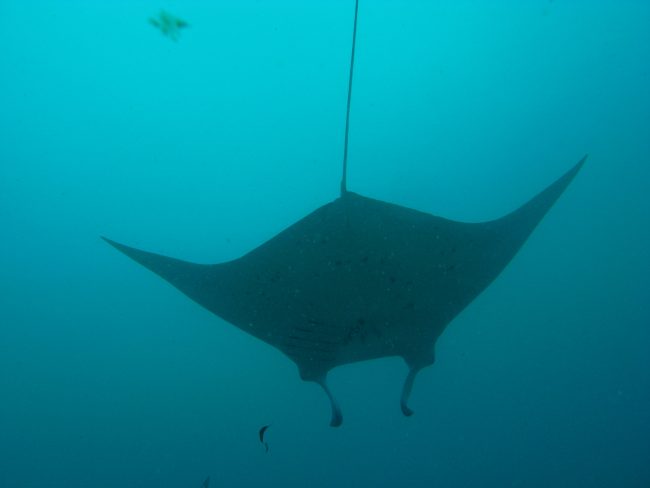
{"points": [[357, 279]]}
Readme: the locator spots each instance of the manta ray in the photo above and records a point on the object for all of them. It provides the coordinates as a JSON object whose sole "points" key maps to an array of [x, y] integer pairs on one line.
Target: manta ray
{"points": [[357, 279]]}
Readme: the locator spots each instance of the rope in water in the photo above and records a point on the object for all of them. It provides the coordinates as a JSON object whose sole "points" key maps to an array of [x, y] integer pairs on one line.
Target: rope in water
{"points": [[344, 178]]}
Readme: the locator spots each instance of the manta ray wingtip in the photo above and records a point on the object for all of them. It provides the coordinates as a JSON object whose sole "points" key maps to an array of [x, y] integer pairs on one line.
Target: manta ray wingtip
{"points": [[579, 164], [115, 244], [109, 241]]}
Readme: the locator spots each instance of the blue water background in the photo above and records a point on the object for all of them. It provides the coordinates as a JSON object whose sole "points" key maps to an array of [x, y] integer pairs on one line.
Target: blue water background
{"points": [[204, 148]]}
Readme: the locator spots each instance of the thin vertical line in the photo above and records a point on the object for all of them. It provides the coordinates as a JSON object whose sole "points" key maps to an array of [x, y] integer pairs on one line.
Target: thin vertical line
{"points": [[344, 178]]}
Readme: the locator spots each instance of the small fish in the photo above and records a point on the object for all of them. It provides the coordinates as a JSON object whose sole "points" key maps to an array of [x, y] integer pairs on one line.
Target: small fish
{"points": [[261, 434], [168, 24], [206, 483]]}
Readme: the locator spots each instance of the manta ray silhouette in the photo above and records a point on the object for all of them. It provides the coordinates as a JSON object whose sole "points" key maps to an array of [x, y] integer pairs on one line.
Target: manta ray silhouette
{"points": [[357, 279]]}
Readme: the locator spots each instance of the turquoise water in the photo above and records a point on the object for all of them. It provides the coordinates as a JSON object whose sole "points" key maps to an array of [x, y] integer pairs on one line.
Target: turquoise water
{"points": [[206, 147]]}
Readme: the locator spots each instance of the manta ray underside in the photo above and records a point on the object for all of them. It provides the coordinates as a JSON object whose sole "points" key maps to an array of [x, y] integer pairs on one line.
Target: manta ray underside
{"points": [[357, 279]]}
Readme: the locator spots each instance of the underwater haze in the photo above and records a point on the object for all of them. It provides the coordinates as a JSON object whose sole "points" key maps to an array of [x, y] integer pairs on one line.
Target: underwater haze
{"points": [[204, 144]]}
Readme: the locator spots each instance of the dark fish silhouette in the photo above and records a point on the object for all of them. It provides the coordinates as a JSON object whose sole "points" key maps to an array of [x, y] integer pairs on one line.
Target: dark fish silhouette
{"points": [[206, 483], [261, 434], [357, 279]]}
